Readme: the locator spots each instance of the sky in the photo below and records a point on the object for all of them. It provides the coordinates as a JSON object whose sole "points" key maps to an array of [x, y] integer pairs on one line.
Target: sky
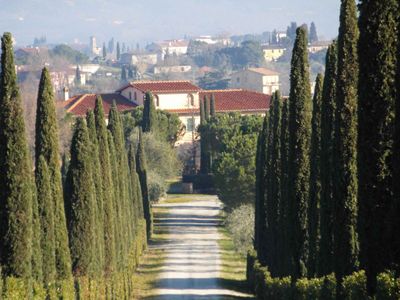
{"points": [[143, 21]]}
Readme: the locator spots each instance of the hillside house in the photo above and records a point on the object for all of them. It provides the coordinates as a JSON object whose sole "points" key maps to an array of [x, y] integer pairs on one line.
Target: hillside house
{"points": [[256, 79]]}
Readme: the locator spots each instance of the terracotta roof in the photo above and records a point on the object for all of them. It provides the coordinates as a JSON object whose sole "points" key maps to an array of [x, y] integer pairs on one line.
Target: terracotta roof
{"points": [[263, 71], [162, 86], [238, 100], [80, 104]]}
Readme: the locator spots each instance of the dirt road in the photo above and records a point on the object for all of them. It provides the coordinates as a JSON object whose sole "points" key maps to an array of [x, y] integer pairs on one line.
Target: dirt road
{"points": [[192, 264]]}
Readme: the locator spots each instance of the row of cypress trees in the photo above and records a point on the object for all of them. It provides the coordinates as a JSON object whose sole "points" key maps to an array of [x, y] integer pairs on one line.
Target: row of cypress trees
{"points": [[326, 194], [91, 227]]}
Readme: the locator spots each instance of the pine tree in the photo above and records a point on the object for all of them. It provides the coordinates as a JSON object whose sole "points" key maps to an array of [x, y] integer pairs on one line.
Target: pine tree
{"points": [[300, 109], [98, 184], [260, 189], [284, 207], [142, 172], [206, 108], [16, 180], [107, 189], [315, 180], [149, 113], [80, 202], [325, 260], [377, 89], [46, 213], [345, 191], [212, 105], [313, 33], [274, 184], [46, 144], [118, 52]]}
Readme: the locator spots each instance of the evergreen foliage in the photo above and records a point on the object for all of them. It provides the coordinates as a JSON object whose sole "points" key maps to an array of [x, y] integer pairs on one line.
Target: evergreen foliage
{"points": [[118, 52], [46, 214], [212, 105], [378, 46], [135, 187], [300, 109], [46, 145], [273, 189], [315, 180], [313, 33], [16, 180], [325, 260], [142, 172], [107, 189], [80, 202], [345, 190], [149, 121], [98, 184], [206, 108], [78, 77]]}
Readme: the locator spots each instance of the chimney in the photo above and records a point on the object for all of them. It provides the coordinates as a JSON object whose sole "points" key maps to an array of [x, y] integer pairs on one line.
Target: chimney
{"points": [[65, 93]]}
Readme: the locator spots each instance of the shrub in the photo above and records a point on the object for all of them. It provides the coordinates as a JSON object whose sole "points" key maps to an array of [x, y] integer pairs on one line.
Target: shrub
{"points": [[240, 223], [328, 288], [355, 286], [157, 186], [15, 289], [388, 287]]}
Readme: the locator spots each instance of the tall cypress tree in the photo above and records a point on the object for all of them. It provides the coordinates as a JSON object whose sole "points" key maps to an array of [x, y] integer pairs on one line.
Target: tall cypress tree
{"points": [[260, 208], [202, 112], [142, 172], [206, 108], [118, 52], [46, 213], [136, 190], [284, 207], [107, 187], [80, 202], [274, 186], [46, 144], [212, 105], [315, 180], [16, 180], [98, 184], [300, 109], [377, 91], [325, 260], [149, 113], [345, 191]]}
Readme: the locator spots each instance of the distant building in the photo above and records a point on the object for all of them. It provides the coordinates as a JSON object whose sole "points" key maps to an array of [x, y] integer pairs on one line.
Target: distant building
{"points": [[169, 47], [319, 46], [134, 59], [256, 79], [172, 69], [273, 53], [94, 50], [208, 39]]}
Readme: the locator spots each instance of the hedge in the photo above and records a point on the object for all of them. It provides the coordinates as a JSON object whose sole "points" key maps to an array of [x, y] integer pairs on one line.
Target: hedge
{"points": [[354, 286]]}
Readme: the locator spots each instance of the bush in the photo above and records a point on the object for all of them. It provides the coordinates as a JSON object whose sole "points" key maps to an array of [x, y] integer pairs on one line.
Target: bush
{"points": [[388, 287], [240, 224], [157, 186], [355, 286]]}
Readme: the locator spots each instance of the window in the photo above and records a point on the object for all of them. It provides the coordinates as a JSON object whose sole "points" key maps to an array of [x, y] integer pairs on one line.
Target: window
{"points": [[135, 96], [130, 95], [190, 124], [237, 80]]}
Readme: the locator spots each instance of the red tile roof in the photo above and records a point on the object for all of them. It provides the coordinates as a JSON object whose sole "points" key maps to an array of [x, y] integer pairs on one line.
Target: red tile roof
{"points": [[80, 104], [238, 100], [162, 86]]}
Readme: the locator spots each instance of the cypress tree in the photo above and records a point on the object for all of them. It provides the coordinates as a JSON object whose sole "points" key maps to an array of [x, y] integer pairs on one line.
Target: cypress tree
{"points": [[206, 109], [202, 112], [123, 74], [37, 258], [98, 183], [315, 180], [118, 220], [46, 144], [260, 229], [107, 189], [46, 213], [16, 180], [212, 105], [78, 77], [149, 113], [104, 51], [284, 207], [274, 186], [300, 109], [377, 91], [142, 172], [80, 202], [345, 191], [136, 191], [118, 52], [325, 260]]}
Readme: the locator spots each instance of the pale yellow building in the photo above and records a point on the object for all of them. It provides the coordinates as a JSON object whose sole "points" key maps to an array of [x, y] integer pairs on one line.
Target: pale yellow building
{"points": [[256, 79]]}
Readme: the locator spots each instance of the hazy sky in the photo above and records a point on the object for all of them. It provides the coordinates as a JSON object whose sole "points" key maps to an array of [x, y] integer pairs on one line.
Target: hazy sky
{"points": [[148, 20]]}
